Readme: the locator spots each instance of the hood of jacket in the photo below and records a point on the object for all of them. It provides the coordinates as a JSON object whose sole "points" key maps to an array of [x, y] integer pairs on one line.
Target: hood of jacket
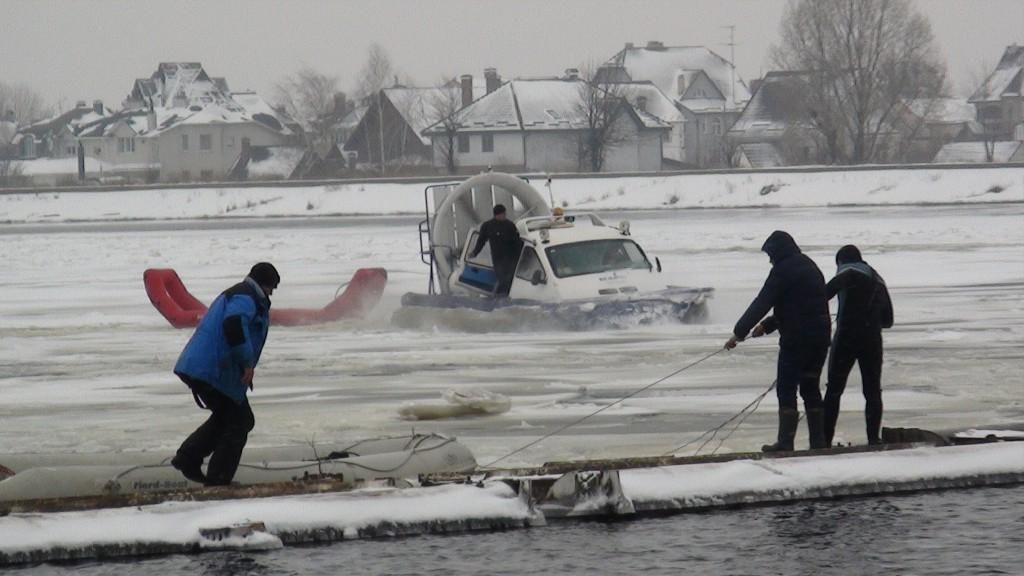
{"points": [[779, 246]]}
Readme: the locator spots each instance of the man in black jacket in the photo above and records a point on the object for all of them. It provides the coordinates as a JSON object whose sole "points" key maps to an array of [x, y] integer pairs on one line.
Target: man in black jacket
{"points": [[795, 290], [503, 236], [864, 309]]}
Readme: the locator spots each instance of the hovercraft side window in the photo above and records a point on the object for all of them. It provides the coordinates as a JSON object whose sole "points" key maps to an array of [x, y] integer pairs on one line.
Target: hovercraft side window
{"points": [[528, 264], [596, 256]]}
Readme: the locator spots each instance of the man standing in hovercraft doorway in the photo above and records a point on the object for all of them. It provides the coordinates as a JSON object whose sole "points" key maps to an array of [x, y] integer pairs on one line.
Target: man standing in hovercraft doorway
{"points": [[217, 364], [503, 236]]}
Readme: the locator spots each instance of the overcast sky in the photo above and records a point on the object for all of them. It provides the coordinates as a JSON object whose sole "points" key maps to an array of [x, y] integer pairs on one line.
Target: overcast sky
{"points": [[86, 49]]}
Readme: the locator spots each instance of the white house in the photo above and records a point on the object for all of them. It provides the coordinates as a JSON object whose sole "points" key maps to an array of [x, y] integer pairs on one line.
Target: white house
{"points": [[705, 87], [182, 125], [536, 125]]}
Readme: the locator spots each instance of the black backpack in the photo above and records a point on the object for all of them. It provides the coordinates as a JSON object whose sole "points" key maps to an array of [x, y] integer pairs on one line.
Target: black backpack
{"points": [[881, 303]]}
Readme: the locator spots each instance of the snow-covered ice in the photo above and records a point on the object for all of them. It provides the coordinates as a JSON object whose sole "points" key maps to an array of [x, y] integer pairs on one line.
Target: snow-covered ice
{"points": [[757, 189], [85, 361]]}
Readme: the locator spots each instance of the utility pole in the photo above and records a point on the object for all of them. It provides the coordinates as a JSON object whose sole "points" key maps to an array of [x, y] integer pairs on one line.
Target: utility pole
{"points": [[732, 62]]}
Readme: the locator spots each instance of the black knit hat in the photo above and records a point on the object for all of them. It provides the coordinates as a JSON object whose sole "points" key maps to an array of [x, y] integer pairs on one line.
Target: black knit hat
{"points": [[848, 254], [265, 274], [499, 209]]}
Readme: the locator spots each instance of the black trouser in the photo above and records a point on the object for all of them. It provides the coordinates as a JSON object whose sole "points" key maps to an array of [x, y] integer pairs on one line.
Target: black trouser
{"points": [[223, 434], [799, 369], [864, 348], [505, 271]]}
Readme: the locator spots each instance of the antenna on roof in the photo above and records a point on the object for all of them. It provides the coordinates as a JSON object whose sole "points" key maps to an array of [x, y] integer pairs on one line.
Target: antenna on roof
{"points": [[732, 62]]}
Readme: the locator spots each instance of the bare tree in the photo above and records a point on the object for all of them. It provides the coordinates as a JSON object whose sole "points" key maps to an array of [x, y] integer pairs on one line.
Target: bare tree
{"points": [[10, 173], [991, 131], [864, 58], [376, 71], [599, 107], [27, 104], [309, 97], [444, 107], [372, 79]]}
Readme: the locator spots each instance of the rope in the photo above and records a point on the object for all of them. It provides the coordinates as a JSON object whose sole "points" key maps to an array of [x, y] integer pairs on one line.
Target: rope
{"points": [[565, 427], [752, 406]]}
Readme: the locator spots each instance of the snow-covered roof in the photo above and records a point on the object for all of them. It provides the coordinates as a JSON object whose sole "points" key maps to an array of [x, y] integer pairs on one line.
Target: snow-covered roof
{"points": [[761, 154], [774, 107], [1005, 80], [186, 80], [976, 153], [664, 65], [417, 106], [658, 104], [274, 161], [533, 104], [943, 110]]}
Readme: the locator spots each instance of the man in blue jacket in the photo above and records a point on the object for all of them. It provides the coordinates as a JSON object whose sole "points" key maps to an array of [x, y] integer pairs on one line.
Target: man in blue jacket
{"points": [[795, 293], [217, 364]]}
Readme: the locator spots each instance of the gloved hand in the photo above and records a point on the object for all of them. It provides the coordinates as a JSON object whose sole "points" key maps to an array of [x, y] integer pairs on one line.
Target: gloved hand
{"points": [[758, 331], [732, 342]]}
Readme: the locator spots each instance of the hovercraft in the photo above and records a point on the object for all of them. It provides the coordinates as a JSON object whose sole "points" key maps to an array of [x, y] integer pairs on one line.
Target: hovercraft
{"points": [[573, 267]]}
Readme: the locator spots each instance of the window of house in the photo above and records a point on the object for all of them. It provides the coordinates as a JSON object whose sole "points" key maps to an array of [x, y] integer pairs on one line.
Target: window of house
{"points": [[488, 143], [463, 141], [206, 175], [716, 126], [205, 141], [229, 141], [184, 141], [682, 84], [72, 150], [125, 145]]}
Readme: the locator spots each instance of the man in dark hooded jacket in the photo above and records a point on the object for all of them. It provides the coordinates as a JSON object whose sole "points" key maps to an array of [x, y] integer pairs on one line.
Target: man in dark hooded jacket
{"points": [[864, 310], [795, 291], [217, 364], [503, 236]]}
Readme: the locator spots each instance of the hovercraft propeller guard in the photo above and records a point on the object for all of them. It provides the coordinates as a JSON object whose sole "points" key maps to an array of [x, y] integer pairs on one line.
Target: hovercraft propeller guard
{"points": [[183, 310], [572, 265]]}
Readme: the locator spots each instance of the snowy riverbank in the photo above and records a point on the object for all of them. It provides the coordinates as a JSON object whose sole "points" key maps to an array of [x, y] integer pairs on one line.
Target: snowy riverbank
{"points": [[733, 190]]}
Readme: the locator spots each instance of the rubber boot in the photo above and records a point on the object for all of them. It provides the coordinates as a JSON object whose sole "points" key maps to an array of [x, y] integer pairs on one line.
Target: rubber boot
{"points": [[873, 420], [789, 419], [831, 417], [816, 428]]}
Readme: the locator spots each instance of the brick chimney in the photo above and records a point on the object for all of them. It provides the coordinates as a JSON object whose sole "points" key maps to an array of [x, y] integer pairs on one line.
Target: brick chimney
{"points": [[492, 79], [629, 45], [466, 82], [655, 45], [97, 107]]}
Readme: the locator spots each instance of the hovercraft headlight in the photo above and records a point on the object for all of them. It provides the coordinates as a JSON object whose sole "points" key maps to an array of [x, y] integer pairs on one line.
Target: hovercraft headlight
{"points": [[545, 235], [624, 227]]}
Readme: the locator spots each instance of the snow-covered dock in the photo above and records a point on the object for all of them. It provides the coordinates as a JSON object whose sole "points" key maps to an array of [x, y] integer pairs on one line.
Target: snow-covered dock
{"points": [[502, 502]]}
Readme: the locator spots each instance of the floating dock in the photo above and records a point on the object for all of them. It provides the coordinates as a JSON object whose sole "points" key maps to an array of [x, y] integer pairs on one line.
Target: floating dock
{"points": [[310, 511]]}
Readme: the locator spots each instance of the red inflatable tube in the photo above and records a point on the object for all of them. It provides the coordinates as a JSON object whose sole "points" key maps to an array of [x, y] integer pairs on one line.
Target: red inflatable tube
{"points": [[174, 302]]}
